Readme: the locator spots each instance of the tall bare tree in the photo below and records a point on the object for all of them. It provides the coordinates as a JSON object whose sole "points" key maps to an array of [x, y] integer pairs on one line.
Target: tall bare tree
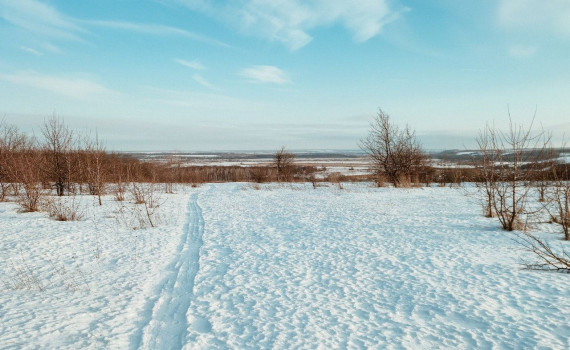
{"points": [[9, 145], [58, 141], [487, 168], [395, 153], [95, 167]]}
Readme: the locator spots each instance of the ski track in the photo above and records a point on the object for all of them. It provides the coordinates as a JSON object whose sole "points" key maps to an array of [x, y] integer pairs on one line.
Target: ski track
{"points": [[167, 323]]}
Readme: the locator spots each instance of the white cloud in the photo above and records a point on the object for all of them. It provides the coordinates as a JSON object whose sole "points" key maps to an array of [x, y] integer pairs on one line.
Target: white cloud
{"points": [[289, 21], [265, 74], [520, 51], [51, 48], [45, 20], [153, 29], [71, 87], [194, 64], [39, 18], [202, 81], [31, 50], [540, 15]]}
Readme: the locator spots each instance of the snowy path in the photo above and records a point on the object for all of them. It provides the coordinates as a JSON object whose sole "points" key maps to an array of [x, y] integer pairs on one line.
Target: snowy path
{"points": [[167, 324]]}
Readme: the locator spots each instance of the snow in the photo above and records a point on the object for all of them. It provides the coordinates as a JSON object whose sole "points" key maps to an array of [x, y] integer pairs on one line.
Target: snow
{"points": [[234, 266]]}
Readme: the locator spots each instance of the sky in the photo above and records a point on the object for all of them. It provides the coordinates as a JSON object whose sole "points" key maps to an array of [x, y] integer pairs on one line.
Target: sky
{"points": [[199, 75]]}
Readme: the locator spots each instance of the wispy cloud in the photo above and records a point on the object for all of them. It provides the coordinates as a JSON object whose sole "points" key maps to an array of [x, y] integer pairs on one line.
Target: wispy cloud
{"points": [[40, 18], [290, 21], [44, 20], [208, 103], [154, 29], [265, 74], [194, 64], [521, 51], [202, 81], [71, 87], [51, 48], [31, 50], [552, 16]]}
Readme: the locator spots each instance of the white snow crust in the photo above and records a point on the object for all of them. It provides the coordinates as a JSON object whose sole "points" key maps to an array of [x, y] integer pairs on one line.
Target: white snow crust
{"points": [[232, 266]]}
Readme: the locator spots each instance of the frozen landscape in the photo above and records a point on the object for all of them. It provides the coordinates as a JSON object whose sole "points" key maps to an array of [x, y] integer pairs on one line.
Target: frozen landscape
{"points": [[283, 266], [291, 174]]}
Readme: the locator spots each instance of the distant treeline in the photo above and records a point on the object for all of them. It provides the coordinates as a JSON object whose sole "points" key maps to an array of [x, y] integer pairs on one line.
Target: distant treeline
{"points": [[67, 162]]}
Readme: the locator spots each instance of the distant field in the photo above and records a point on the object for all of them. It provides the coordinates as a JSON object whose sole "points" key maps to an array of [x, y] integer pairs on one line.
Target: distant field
{"points": [[327, 162]]}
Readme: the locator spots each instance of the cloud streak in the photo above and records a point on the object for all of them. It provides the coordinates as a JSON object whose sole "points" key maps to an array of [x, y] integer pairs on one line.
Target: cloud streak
{"points": [[540, 15], [40, 18], [265, 74], [519, 51], [153, 29], [194, 64], [202, 81], [290, 21], [77, 88], [31, 50], [44, 20]]}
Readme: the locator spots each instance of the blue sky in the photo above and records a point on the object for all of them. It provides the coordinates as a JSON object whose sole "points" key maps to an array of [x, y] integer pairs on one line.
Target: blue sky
{"points": [[251, 74]]}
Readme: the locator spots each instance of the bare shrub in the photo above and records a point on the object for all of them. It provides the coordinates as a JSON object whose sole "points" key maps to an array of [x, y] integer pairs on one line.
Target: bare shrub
{"points": [[259, 174], [137, 217], [120, 192], [547, 258], [23, 277], [171, 173], [509, 160], [404, 181], [335, 178], [559, 197], [542, 188], [137, 192], [63, 209], [68, 279], [26, 169], [120, 187], [395, 153], [146, 195], [380, 180], [283, 161]]}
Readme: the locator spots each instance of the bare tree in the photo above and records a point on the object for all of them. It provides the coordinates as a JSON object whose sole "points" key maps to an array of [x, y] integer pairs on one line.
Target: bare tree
{"points": [[559, 198], [487, 167], [11, 142], [96, 171], [508, 164], [395, 152], [58, 141], [26, 167], [283, 161]]}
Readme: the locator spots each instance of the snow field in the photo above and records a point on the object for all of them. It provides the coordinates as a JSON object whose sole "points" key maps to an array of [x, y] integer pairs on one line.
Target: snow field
{"points": [[97, 274], [283, 267], [292, 267]]}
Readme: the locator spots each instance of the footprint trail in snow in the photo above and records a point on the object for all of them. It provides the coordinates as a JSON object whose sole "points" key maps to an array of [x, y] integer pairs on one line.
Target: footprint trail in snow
{"points": [[168, 324]]}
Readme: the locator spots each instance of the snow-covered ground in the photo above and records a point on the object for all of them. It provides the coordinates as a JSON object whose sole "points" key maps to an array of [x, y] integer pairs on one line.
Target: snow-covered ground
{"points": [[234, 266]]}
